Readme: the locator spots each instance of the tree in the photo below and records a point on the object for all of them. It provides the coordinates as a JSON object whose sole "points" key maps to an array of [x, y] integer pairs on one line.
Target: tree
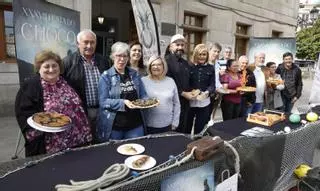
{"points": [[308, 42]]}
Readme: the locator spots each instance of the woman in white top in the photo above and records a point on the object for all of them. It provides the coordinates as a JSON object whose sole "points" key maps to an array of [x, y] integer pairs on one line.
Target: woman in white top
{"points": [[164, 117]]}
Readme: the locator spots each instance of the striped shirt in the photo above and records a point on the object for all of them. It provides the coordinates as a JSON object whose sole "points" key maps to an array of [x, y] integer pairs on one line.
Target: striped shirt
{"points": [[92, 76]]}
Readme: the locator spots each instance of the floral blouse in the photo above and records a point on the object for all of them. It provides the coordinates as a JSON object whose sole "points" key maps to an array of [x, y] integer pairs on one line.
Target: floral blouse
{"points": [[61, 98]]}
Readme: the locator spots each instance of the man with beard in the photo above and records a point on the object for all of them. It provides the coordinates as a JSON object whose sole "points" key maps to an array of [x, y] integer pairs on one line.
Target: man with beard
{"points": [[291, 74], [259, 59], [178, 70], [82, 70]]}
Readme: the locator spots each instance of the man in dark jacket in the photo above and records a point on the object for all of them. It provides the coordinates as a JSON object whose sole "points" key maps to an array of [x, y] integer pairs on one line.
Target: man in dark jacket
{"points": [[82, 70], [248, 98], [291, 74], [179, 70]]}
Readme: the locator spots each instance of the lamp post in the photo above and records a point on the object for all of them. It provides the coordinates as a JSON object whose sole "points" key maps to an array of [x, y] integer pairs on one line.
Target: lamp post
{"points": [[100, 16]]}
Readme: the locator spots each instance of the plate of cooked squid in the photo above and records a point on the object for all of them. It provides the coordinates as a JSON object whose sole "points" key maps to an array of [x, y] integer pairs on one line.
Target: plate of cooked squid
{"points": [[140, 162]]}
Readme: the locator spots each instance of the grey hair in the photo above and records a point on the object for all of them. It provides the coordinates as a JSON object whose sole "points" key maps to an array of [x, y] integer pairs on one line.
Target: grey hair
{"points": [[119, 48], [243, 57], [228, 48], [86, 31]]}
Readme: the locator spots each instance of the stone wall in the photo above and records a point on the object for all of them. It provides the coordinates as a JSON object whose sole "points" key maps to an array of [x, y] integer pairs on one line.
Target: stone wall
{"points": [[9, 85]]}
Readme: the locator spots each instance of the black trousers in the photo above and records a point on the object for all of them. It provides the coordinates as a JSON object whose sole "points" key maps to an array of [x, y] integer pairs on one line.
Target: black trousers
{"points": [[184, 109], [201, 115], [229, 110]]}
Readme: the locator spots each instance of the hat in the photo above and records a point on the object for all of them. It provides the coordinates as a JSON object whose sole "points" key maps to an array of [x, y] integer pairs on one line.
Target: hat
{"points": [[177, 37]]}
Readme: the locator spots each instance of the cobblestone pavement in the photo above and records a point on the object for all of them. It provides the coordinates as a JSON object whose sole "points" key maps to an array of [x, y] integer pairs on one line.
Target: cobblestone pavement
{"points": [[9, 127]]}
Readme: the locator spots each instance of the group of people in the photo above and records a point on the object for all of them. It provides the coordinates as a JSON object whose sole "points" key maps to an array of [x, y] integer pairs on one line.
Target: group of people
{"points": [[97, 95]]}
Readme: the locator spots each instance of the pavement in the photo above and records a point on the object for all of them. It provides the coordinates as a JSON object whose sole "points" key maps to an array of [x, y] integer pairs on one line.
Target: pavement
{"points": [[9, 128]]}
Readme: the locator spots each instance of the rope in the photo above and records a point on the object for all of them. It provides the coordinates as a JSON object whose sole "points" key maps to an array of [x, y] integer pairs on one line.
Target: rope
{"points": [[177, 163], [237, 158], [112, 174]]}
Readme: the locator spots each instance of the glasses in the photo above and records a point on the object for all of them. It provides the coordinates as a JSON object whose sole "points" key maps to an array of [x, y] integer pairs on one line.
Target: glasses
{"points": [[121, 56]]}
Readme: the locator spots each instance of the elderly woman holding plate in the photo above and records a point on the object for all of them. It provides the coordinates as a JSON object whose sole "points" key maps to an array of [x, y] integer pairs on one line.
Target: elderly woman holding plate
{"points": [[47, 91], [164, 117], [118, 87]]}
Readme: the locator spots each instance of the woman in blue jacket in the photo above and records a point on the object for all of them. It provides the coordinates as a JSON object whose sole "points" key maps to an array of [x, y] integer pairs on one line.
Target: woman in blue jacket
{"points": [[118, 86]]}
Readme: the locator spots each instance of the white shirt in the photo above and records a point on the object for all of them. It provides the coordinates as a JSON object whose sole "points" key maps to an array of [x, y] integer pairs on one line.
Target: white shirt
{"points": [[261, 84]]}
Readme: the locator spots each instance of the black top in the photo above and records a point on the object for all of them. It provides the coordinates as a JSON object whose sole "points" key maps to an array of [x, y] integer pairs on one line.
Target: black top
{"points": [[179, 71], [29, 100], [292, 80], [202, 76], [131, 118], [74, 72], [250, 97]]}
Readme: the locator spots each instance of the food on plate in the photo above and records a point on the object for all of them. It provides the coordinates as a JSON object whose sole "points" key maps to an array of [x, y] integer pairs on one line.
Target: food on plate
{"points": [[195, 92], [145, 102], [275, 81], [130, 149], [246, 89], [51, 119], [140, 162]]}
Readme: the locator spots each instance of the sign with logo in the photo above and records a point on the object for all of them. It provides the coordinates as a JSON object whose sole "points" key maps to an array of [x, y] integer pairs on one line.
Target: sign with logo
{"points": [[147, 28], [41, 25]]}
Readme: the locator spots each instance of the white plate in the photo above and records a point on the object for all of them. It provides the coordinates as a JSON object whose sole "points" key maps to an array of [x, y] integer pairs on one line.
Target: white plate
{"points": [[151, 162], [124, 149], [45, 128]]}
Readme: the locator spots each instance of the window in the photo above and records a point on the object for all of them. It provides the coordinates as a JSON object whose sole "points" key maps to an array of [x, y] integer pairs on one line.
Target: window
{"points": [[276, 34], [7, 49], [193, 31], [193, 20], [242, 39]]}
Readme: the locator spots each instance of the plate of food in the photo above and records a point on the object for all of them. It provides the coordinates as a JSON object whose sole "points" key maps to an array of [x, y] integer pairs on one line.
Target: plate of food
{"points": [[140, 162], [275, 81], [130, 149], [51, 122], [246, 89], [145, 103]]}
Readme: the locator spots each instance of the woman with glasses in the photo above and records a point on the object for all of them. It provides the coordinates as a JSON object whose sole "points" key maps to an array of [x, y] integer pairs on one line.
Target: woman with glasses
{"points": [[164, 117], [274, 87], [118, 86]]}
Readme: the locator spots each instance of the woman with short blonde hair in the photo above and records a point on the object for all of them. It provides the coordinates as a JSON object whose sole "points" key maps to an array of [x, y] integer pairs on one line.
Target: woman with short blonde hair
{"points": [[202, 77], [164, 117]]}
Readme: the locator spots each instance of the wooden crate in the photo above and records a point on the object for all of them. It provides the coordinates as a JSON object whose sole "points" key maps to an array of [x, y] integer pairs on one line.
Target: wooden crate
{"points": [[265, 120]]}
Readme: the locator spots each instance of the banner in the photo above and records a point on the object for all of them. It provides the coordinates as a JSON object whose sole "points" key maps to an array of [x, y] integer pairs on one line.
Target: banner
{"points": [[147, 28], [272, 47], [41, 25]]}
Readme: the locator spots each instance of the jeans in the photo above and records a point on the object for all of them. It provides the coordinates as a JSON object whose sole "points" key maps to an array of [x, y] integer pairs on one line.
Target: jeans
{"points": [[132, 133], [287, 105], [202, 117], [256, 107]]}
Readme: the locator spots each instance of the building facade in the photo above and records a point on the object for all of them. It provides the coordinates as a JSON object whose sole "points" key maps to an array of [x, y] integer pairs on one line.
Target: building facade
{"points": [[231, 23]]}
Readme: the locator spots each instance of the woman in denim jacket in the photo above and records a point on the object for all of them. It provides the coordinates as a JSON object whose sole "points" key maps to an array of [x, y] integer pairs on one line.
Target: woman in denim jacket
{"points": [[118, 86]]}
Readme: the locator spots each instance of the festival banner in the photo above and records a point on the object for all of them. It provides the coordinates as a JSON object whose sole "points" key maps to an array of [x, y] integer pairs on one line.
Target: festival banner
{"points": [[272, 47], [147, 28], [42, 25]]}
